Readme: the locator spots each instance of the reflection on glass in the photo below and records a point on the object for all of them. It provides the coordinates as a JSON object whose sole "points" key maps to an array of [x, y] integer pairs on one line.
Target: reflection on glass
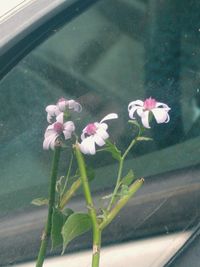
{"points": [[115, 52]]}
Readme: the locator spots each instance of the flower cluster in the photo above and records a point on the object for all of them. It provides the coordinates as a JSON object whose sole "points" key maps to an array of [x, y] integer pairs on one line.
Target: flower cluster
{"points": [[150, 105], [59, 127], [63, 105], [96, 133]]}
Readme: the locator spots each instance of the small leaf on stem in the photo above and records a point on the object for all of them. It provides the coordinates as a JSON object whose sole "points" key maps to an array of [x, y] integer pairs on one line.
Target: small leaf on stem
{"points": [[67, 212], [128, 179], [115, 152], [77, 224], [124, 190], [58, 220]]}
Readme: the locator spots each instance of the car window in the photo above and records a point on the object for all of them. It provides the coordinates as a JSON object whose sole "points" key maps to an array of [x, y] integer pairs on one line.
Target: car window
{"points": [[113, 53]]}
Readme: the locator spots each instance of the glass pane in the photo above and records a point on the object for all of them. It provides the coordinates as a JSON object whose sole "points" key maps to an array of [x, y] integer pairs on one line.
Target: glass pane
{"points": [[114, 53]]}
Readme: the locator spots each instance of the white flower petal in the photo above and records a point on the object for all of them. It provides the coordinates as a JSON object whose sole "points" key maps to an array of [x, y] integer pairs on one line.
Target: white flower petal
{"points": [[46, 143], [140, 111], [52, 109], [62, 105], [52, 144], [110, 116], [60, 118], [49, 118], [98, 140], [101, 125], [162, 105], [132, 111], [49, 132], [102, 133], [83, 147], [85, 130], [50, 127], [49, 142], [69, 126], [145, 119], [168, 118], [138, 103], [91, 145], [160, 114], [83, 136], [78, 107], [68, 129], [67, 134], [87, 146], [74, 105]]}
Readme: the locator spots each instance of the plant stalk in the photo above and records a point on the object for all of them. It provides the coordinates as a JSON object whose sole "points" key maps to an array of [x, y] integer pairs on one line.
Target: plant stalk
{"points": [[90, 206], [67, 176], [121, 163], [96, 248], [69, 193], [121, 203], [52, 189]]}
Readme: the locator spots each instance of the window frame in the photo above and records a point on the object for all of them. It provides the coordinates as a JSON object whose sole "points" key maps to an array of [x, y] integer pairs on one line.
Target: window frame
{"points": [[45, 25]]}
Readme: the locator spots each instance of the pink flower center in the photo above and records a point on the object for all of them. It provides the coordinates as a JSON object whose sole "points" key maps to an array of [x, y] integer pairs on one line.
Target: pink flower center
{"points": [[91, 129], [150, 103], [58, 127]]}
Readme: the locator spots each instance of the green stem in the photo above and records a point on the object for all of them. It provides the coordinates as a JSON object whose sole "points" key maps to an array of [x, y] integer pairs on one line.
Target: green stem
{"points": [[85, 183], [91, 208], [96, 248], [129, 148], [69, 194], [52, 189], [121, 163], [68, 174], [121, 203]]}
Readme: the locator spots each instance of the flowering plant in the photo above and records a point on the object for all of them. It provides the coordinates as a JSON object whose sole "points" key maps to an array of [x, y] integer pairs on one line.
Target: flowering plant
{"points": [[64, 224]]}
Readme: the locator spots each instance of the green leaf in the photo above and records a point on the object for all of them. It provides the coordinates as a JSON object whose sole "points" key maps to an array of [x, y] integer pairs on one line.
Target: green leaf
{"points": [[67, 212], [58, 220], [128, 179], [124, 190], [144, 138], [116, 153], [77, 224], [40, 201]]}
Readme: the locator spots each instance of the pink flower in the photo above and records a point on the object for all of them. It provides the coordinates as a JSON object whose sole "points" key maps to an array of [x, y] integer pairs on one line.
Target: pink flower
{"points": [[159, 110], [95, 133], [62, 106], [57, 129]]}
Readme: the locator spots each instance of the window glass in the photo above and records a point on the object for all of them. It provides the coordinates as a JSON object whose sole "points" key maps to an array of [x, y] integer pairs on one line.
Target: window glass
{"points": [[113, 53]]}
